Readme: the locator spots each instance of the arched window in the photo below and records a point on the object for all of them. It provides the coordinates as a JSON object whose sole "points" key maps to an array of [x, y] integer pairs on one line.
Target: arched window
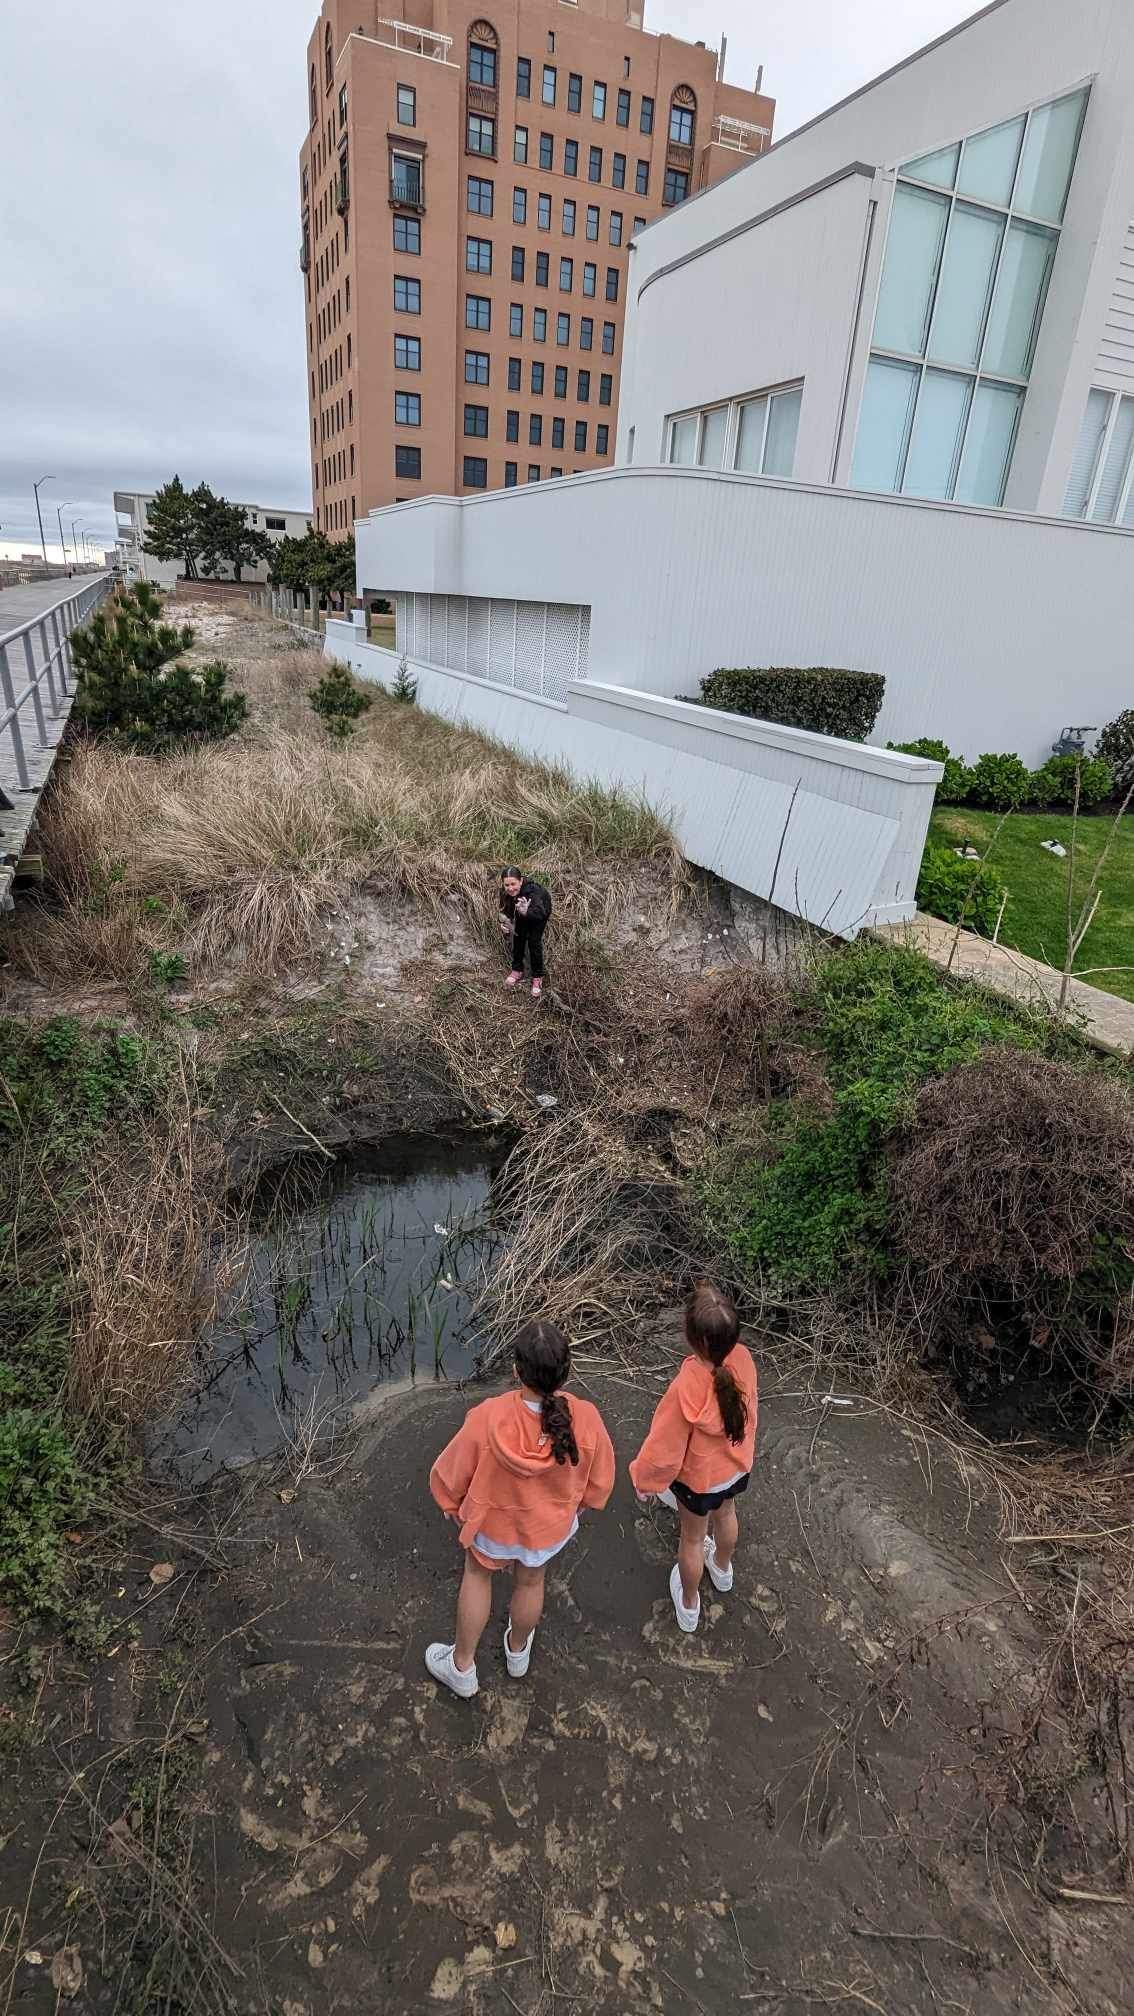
{"points": [[311, 93], [484, 54], [682, 116], [329, 56]]}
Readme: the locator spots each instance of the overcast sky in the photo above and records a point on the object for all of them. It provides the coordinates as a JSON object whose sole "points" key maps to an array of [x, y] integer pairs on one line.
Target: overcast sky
{"points": [[151, 313]]}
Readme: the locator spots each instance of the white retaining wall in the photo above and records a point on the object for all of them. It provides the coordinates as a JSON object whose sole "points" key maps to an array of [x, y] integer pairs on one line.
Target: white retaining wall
{"points": [[830, 831], [993, 631]]}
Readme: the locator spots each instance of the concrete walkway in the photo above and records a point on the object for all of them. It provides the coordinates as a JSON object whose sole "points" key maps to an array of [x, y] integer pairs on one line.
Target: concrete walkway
{"points": [[18, 607], [1107, 1020]]}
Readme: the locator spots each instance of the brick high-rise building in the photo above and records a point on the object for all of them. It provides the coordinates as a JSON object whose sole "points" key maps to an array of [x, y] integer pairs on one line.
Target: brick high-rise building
{"points": [[472, 176]]}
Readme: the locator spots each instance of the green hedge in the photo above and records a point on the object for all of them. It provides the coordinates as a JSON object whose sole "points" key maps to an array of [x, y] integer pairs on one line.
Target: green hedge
{"points": [[819, 697], [1003, 781], [955, 784]]}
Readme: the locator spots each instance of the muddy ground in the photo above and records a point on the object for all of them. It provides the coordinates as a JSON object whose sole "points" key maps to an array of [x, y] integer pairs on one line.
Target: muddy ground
{"points": [[802, 1805]]}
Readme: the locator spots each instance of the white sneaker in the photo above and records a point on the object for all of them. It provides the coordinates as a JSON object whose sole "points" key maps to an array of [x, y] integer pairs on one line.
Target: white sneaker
{"points": [[439, 1660], [518, 1662], [688, 1620], [666, 1497], [721, 1578]]}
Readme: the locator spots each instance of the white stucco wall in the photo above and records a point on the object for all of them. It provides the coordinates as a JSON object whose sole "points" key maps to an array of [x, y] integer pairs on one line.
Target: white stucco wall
{"points": [[825, 829], [1017, 54], [992, 630]]}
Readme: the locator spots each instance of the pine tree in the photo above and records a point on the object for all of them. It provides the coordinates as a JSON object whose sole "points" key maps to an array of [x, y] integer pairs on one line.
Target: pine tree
{"points": [[124, 691], [173, 526]]}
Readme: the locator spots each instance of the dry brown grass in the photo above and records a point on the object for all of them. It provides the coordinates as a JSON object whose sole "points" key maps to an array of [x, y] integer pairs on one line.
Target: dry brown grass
{"points": [[145, 1244], [243, 853]]}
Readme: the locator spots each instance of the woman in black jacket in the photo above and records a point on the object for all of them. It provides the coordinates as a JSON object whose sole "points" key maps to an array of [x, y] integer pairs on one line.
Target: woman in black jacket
{"points": [[525, 907]]}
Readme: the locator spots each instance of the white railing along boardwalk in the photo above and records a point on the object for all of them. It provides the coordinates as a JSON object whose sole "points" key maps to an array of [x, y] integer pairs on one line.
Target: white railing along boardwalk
{"points": [[37, 688]]}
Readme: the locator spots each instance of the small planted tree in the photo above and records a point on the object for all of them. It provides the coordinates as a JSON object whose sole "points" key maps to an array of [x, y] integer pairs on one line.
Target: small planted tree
{"points": [[404, 688], [339, 702], [126, 691]]}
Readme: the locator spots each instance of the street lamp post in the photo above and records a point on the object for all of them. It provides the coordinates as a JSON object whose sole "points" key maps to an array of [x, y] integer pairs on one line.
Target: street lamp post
{"points": [[75, 539], [37, 487], [59, 510]]}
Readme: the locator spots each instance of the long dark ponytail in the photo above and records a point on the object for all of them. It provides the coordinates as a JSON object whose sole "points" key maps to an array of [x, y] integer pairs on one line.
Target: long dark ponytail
{"points": [[543, 1361], [712, 1327]]}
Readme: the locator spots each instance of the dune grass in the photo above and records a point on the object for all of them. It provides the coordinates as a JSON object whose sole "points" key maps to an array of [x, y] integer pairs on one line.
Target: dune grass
{"points": [[243, 851]]}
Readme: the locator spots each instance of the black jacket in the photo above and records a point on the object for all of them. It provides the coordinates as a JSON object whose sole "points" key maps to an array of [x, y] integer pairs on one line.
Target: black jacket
{"points": [[539, 902]]}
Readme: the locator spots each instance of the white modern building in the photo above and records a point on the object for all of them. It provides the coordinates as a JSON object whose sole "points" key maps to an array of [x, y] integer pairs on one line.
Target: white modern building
{"points": [[877, 410], [131, 509]]}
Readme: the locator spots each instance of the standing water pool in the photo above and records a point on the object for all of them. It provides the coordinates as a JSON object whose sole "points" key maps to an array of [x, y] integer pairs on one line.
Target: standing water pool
{"points": [[358, 1272]]}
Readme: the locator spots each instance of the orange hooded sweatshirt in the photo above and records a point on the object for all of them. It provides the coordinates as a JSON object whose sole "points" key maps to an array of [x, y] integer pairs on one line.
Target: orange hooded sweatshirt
{"points": [[687, 1443], [498, 1476]]}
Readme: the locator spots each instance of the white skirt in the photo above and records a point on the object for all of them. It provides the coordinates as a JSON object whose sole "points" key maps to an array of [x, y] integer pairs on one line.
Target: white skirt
{"points": [[528, 1557]]}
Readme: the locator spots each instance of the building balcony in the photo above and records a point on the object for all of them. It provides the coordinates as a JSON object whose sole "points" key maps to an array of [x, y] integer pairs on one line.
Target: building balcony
{"points": [[407, 191], [410, 40], [740, 135]]}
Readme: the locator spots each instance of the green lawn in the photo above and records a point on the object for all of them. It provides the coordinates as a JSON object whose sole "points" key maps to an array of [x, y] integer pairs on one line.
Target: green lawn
{"points": [[1034, 920]]}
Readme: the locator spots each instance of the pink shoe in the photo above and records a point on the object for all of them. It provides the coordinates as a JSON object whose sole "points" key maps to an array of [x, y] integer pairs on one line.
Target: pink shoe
{"points": [[537, 989], [513, 980]]}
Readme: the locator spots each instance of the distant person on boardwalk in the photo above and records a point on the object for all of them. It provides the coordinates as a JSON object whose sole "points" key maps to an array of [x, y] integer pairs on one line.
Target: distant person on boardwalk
{"points": [[514, 1478], [698, 1453], [525, 907]]}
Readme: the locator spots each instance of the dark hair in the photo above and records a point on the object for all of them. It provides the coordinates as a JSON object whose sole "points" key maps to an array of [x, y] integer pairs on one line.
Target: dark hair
{"points": [[507, 874], [543, 1361], [712, 1327]]}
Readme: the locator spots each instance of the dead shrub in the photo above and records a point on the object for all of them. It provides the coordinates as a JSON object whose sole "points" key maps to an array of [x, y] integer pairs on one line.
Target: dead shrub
{"points": [[145, 1248], [1014, 1184]]}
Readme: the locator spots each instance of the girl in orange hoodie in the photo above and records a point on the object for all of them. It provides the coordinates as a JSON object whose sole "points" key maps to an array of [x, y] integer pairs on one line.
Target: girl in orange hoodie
{"points": [[698, 1453], [514, 1477]]}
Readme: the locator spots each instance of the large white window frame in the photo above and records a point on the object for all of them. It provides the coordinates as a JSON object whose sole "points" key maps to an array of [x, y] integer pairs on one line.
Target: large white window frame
{"points": [[703, 416], [952, 193]]}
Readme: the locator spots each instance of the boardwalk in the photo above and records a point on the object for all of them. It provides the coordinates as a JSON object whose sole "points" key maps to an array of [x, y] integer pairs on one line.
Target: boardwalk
{"points": [[28, 744]]}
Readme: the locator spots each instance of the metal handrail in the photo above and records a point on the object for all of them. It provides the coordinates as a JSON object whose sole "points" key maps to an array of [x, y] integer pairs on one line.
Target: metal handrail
{"points": [[55, 672]]}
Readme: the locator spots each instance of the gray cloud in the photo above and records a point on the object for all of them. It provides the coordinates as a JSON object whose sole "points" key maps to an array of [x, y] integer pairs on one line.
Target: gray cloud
{"points": [[152, 312]]}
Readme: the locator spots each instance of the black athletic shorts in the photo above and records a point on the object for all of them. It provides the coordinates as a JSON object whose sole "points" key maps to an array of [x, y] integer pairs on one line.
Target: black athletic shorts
{"points": [[701, 1503]]}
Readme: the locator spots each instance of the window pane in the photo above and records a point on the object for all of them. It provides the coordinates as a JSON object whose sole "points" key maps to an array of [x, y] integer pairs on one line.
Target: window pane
{"points": [[713, 433], [966, 282], [932, 460], [939, 168], [913, 250], [683, 440], [988, 444], [988, 164], [1087, 454], [883, 425], [1115, 466], [1049, 157], [750, 436], [783, 426], [1020, 289]]}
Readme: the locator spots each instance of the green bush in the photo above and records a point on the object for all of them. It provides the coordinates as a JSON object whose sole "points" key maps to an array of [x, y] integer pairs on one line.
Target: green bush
{"points": [[950, 887], [338, 701], [1054, 784], [956, 783], [130, 691], [1116, 747], [819, 697], [1002, 781], [41, 1494], [814, 1212]]}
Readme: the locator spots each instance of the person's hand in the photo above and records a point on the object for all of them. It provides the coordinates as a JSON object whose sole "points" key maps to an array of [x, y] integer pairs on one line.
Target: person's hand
{"points": [[522, 906], [643, 1498], [505, 925]]}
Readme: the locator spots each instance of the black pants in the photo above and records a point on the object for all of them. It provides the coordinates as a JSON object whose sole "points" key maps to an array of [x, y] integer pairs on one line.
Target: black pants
{"points": [[528, 935]]}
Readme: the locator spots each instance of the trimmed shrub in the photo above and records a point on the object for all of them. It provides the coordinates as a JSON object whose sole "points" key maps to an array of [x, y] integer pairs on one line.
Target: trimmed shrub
{"points": [[956, 783], [819, 697], [1054, 784], [1002, 781], [950, 887], [1116, 747]]}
